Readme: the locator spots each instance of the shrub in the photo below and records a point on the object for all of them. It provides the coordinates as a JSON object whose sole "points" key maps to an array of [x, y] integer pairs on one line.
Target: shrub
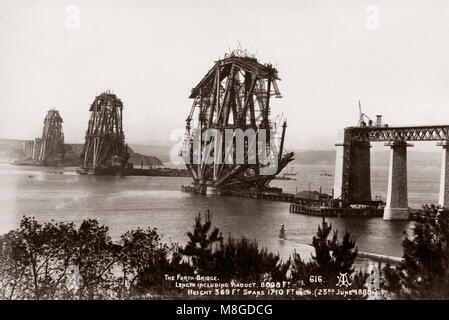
{"points": [[244, 261], [145, 261], [37, 261], [240, 260], [424, 272], [332, 258]]}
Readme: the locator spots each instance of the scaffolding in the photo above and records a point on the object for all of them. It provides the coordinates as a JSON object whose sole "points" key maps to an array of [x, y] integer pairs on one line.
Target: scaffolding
{"points": [[105, 151], [235, 94]]}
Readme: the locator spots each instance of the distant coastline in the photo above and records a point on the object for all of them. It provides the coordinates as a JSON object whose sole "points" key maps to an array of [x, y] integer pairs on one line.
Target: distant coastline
{"points": [[11, 150], [158, 154]]}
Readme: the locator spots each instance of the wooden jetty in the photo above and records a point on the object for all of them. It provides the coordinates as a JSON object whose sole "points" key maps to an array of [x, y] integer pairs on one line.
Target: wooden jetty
{"points": [[336, 212], [158, 172], [321, 208], [267, 195], [131, 171]]}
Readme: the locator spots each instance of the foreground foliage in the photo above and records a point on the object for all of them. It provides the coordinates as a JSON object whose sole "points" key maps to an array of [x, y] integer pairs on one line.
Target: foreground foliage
{"points": [[60, 261], [424, 272], [332, 258]]}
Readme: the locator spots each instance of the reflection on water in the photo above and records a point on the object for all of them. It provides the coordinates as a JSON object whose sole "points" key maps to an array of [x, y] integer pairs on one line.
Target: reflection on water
{"points": [[123, 203]]}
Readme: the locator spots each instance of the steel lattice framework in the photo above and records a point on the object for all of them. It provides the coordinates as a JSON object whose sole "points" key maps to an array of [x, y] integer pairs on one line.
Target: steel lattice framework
{"points": [[353, 136], [235, 94], [104, 150], [52, 140], [420, 133]]}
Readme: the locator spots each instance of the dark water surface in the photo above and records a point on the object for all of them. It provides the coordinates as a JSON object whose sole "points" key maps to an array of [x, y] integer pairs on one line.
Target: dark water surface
{"points": [[123, 203]]}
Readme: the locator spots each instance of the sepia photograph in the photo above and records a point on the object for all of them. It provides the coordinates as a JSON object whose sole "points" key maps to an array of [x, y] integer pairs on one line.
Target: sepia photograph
{"points": [[224, 156]]}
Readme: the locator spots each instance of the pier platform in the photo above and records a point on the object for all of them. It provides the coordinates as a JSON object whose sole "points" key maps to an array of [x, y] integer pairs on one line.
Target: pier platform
{"points": [[336, 212], [298, 205], [152, 172], [158, 172]]}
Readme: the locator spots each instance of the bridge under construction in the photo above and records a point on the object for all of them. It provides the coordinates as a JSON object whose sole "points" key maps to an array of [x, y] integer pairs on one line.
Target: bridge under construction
{"points": [[234, 96], [352, 184], [49, 148], [105, 151]]}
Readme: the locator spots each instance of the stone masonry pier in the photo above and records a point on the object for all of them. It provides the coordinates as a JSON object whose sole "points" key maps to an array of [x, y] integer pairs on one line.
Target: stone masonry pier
{"points": [[352, 185], [444, 179], [397, 198], [360, 174]]}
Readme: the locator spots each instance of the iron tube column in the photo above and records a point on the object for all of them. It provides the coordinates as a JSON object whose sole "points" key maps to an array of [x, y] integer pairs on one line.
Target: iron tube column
{"points": [[342, 166], [360, 173], [339, 175], [397, 199]]}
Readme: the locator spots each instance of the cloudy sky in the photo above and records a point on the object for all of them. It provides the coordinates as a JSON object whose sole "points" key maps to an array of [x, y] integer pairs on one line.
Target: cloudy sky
{"points": [[391, 55]]}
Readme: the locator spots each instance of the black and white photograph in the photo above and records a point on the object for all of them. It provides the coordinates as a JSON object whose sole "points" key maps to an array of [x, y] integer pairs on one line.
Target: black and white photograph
{"points": [[224, 151]]}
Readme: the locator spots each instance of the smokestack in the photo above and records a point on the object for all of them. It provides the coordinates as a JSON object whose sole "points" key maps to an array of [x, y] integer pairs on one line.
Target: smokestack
{"points": [[379, 120]]}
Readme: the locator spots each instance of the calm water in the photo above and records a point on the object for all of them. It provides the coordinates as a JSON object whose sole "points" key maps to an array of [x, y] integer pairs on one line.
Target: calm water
{"points": [[123, 203]]}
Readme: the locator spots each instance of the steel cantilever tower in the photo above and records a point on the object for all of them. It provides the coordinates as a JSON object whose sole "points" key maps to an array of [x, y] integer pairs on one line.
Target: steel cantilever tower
{"points": [[49, 148], [235, 94], [105, 151], [52, 140]]}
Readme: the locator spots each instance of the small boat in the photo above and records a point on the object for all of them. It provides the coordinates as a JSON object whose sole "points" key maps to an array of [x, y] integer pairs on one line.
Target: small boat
{"points": [[325, 173], [291, 172], [282, 233], [283, 178]]}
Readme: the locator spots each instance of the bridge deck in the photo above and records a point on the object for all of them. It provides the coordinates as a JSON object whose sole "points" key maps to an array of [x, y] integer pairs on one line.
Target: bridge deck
{"points": [[415, 133]]}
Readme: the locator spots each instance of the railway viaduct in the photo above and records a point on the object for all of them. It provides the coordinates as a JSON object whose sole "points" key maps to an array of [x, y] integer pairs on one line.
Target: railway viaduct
{"points": [[352, 182]]}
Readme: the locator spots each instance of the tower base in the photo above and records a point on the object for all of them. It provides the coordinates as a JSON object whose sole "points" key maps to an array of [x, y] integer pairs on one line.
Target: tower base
{"points": [[396, 214], [212, 191]]}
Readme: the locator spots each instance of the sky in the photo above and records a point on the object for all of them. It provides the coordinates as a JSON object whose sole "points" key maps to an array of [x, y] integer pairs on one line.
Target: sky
{"points": [[393, 56]]}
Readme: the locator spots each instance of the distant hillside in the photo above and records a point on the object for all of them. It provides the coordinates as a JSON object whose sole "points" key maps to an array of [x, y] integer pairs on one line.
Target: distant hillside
{"points": [[378, 158], [73, 153], [138, 158], [162, 152], [155, 155], [315, 157], [11, 150], [326, 157]]}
